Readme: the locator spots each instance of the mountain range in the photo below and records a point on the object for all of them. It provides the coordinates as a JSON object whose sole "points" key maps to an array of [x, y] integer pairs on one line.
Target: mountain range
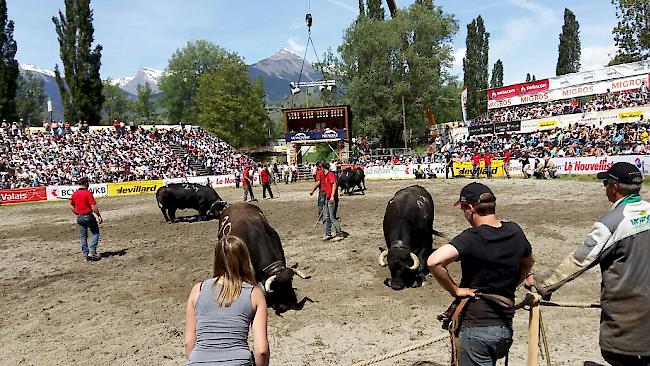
{"points": [[276, 73]]}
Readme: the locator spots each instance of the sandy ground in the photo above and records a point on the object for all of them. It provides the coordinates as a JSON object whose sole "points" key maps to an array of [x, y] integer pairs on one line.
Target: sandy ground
{"points": [[128, 308]]}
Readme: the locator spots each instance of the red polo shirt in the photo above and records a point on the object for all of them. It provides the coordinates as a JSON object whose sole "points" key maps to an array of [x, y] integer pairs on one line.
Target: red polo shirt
{"points": [[245, 174], [487, 158], [320, 177], [476, 159], [265, 177], [506, 157], [81, 201], [328, 183]]}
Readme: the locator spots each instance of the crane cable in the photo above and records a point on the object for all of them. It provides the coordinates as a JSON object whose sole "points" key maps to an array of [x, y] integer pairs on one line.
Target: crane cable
{"points": [[308, 22]]}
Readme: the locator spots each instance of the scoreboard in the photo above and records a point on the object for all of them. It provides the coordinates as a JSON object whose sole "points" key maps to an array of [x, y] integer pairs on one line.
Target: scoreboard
{"points": [[318, 123]]}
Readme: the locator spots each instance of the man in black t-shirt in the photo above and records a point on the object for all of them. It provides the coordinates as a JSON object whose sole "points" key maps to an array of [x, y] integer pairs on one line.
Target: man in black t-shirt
{"points": [[495, 258]]}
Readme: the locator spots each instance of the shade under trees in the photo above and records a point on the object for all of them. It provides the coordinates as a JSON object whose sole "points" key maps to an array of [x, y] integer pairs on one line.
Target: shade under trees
{"points": [[8, 66], [497, 75], [475, 67], [632, 31], [409, 57], [569, 49], [81, 87]]}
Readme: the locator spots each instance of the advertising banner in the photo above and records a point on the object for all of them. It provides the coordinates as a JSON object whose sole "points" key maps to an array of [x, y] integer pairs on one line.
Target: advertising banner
{"points": [[510, 91], [488, 129], [327, 134], [134, 188], [588, 164], [463, 102], [401, 171], [65, 192], [22, 195], [464, 169]]}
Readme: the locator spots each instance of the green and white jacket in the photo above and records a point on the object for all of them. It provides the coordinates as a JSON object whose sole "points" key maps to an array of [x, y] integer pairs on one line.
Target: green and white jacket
{"points": [[620, 242]]}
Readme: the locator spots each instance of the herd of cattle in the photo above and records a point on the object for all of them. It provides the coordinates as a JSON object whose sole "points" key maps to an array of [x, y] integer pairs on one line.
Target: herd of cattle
{"points": [[408, 231]]}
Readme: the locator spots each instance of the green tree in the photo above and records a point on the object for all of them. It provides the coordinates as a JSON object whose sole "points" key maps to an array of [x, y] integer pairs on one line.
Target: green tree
{"points": [[632, 32], [331, 69], [31, 101], [144, 107], [475, 67], [404, 57], [230, 106], [568, 59], [362, 9], [376, 10], [116, 106], [497, 75], [180, 83], [81, 88], [8, 66]]}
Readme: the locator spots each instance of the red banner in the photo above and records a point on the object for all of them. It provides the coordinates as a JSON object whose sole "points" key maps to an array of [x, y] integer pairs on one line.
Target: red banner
{"points": [[22, 195], [518, 89]]}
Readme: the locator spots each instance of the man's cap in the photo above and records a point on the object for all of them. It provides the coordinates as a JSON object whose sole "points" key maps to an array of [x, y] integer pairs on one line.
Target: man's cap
{"points": [[622, 172], [83, 181], [471, 194]]}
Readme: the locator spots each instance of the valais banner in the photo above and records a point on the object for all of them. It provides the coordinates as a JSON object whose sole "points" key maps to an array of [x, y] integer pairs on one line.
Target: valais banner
{"points": [[22, 195]]}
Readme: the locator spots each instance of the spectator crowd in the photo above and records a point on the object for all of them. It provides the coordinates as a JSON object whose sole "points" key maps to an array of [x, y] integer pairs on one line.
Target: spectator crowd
{"points": [[60, 154]]}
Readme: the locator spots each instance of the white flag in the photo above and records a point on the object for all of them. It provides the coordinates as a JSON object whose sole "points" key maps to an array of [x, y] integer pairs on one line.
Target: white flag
{"points": [[463, 102]]}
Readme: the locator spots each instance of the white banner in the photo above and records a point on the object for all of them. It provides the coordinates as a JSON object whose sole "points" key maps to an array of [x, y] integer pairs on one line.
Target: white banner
{"points": [[212, 180], [401, 171], [606, 73], [587, 164], [65, 192]]}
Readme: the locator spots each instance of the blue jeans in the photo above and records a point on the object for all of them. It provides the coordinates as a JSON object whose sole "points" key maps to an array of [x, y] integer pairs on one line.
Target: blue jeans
{"points": [[330, 219], [321, 203], [86, 222], [476, 171], [483, 346]]}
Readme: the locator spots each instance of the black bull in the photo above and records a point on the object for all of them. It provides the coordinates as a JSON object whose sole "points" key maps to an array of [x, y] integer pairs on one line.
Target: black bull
{"points": [[408, 231], [188, 195], [350, 178], [247, 222]]}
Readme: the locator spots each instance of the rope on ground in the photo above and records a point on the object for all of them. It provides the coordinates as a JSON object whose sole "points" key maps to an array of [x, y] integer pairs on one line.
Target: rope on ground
{"points": [[402, 351], [570, 304]]}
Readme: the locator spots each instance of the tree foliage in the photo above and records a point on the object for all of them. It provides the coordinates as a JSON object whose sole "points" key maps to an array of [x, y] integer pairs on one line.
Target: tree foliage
{"points": [[180, 83], [376, 10], [475, 67], [31, 101], [497, 75], [383, 61], [632, 32], [8, 66], [144, 107], [81, 88], [230, 105], [116, 106], [569, 49]]}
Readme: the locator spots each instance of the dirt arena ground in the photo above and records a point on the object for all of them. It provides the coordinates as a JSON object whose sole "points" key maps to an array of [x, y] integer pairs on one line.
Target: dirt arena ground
{"points": [[128, 308]]}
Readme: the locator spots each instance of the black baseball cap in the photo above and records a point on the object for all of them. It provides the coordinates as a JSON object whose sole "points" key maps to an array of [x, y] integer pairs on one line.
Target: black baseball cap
{"points": [[622, 172], [83, 181], [471, 194]]}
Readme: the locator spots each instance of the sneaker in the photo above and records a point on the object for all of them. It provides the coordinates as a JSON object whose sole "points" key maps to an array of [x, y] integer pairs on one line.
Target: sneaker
{"points": [[327, 237], [94, 257], [87, 258], [337, 238]]}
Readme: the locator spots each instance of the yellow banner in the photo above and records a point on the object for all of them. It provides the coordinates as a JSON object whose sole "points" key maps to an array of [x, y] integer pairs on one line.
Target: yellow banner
{"points": [[133, 188], [630, 114], [545, 124], [465, 168]]}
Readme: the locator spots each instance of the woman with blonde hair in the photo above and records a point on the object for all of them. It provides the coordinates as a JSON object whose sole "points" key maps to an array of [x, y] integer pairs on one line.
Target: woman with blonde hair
{"points": [[220, 311]]}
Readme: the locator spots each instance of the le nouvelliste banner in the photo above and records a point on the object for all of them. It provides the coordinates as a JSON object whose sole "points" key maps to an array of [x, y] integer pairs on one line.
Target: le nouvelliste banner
{"points": [[134, 188], [33, 194]]}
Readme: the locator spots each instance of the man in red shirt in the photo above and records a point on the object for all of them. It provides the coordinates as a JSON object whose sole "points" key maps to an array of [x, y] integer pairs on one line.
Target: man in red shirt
{"points": [[320, 177], [328, 184], [506, 162], [476, 164], [487, 158], [265, 178], [83, 205], [247, 183]]}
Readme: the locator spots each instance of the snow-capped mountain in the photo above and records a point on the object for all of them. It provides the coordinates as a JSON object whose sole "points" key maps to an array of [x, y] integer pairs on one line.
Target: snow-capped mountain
{"points": [[280, 69], [144, 76], [49, 84]]}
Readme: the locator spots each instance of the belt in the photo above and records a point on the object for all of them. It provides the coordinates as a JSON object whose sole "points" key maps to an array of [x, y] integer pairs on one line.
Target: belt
{"points": [[81, 214]]}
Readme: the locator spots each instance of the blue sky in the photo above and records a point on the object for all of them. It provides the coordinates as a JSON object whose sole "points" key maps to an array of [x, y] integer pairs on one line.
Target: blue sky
{"points": [[135, 33]]}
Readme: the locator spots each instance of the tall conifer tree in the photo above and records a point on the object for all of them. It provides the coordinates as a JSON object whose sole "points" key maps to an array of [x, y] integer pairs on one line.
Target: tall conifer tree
{"points": [[8, 66], [497, 75], [376, 10], [475, 67], [81, 87], [568, 59]]}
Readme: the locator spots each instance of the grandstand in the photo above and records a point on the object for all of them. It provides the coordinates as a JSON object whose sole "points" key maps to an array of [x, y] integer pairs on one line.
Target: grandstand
{"points": [[40, 157]]}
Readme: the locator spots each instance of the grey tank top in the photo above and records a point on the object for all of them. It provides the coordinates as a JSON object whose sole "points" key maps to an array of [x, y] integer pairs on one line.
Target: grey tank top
{"points": [[222, 332]]}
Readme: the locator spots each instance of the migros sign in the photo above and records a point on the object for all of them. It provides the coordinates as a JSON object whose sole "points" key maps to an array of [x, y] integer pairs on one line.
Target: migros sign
{"points": [[134, 188]]}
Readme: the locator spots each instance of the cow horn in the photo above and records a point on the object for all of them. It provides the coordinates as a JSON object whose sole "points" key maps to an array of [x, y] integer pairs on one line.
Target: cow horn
{"points": [[416, 262], [382, 258], [267, 284], [300, 273]]}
